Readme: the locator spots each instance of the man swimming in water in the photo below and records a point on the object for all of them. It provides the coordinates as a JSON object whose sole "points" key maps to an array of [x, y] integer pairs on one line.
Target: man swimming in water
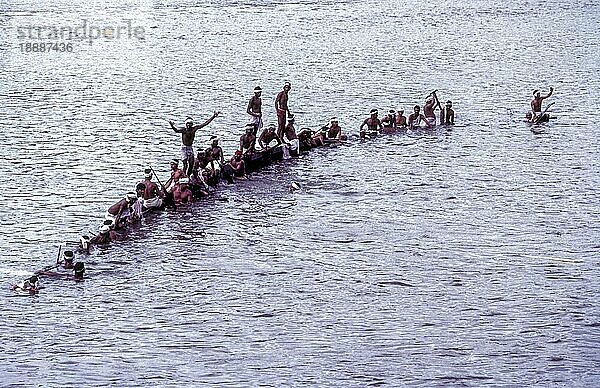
{"points": [[282, 109], [31, 284], [372, 123], [255, 109], [188, 133]]}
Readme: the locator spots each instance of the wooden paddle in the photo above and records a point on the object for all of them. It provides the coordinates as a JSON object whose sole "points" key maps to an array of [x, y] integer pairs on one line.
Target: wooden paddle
{"points": [[158, 179]]}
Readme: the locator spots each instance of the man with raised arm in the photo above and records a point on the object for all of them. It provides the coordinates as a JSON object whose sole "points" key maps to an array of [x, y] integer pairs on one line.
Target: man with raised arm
{"points": [[536, 103], [429, 108], [255, 110], [188, 133], [281, 106]]}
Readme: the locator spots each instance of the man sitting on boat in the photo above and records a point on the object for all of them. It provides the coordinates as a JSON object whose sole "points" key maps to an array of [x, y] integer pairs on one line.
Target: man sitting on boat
{"points": [[291, 136], [267, 136], [536, 103], [373, 125], [176, 174], [310, 139], [122, 210], [64, 262], [248, 141], [334, 134], [153, 196], [415, 118], [216, 150], [137, 208]]}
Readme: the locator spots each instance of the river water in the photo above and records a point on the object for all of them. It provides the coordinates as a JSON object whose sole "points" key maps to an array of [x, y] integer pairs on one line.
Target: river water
{"points": [[461, 257]]}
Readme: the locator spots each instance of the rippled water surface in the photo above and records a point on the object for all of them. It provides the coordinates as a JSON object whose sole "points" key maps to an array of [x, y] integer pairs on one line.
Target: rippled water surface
{"points": [[461, 257]]}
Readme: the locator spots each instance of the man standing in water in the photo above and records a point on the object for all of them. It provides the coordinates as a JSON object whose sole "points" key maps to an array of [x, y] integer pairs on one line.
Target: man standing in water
{"points": [[447, 114], [255, 110], [188, 133], [536, 103], [373, 124], [429, 108], [281, 106], [415, 118]]}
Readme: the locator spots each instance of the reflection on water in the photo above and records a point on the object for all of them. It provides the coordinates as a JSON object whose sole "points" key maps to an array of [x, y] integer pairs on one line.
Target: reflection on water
{"points": [[450, 257]]}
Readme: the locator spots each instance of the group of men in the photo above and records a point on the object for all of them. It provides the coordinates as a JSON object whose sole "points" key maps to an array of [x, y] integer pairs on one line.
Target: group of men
{"points": [[64, 268], [395, 119]]}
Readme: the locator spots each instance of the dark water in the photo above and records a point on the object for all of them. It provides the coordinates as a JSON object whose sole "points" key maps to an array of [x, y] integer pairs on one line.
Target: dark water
{"points": [[467, 257]]}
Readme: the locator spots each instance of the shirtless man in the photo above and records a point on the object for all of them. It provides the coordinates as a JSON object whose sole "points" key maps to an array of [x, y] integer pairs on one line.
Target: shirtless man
{"points": [[31, 284], [181, 193], [334, 133], [536, 103], [415, 118], [291, 136], [267, 136], [217, 151], [281, 107], [106, 235], [237, 165], [176, 174], [389, 121], [188, 133], [400, 119], [372, 123], [212, 161], [447, 114], [248, 140], [137, 208], [153, 195], [121, 210], [429, 108], [255, 109]]}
